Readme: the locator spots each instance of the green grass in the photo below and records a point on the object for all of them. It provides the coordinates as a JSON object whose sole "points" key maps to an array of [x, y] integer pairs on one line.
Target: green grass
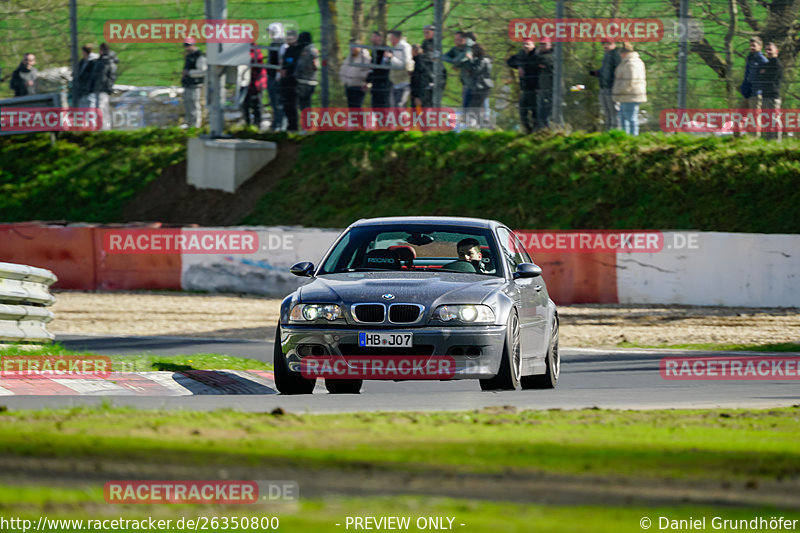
{"points": [[322, 515], [147, 362], [86, 178], [680, 444], [545, 181], [778, 347]]}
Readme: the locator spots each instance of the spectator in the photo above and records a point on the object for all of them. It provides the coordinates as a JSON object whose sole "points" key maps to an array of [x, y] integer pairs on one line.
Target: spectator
{"points": [[455, 56], [611, 59], [23, 79], [402, 65], [769, 82], [749, 88], [479, 69], [429, 32], [84, 78], [378, 78], [630, 88], [288, 81], [353, 75], [278, 42], [306, 71], [422, 82], [252, 82], [104, 74], [526, 61], [544, 90], [192, 78]]}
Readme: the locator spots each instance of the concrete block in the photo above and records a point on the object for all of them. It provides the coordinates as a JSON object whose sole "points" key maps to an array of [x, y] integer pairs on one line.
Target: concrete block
{"points": [[225, 164]]}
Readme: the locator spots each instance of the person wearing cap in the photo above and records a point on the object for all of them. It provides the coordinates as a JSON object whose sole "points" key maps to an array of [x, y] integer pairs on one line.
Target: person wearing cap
{"points": [[605, 75], [429, 32], [544, 91], [630, 88], [194, 73]]}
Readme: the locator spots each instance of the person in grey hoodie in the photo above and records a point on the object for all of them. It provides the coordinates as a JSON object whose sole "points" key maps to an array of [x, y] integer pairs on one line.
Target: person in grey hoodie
{"points": [[611, 60], [104, 74], [23, 79]]}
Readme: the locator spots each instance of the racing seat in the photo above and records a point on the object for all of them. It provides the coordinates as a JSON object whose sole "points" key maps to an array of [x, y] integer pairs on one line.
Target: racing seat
{"points": [[488, 262], [406, 254], [383, 259]]}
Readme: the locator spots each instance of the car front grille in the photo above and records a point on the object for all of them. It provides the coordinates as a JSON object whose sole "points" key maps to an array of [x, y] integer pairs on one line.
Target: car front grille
{"points": [[403, 313], [353, 349], [373, 313]]}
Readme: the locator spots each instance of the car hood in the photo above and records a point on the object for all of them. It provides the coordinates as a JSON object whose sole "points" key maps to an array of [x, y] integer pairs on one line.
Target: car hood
{"points": [[426, 288]]}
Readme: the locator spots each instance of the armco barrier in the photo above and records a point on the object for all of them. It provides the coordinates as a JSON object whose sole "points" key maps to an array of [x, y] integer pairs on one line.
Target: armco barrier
{"points": [[24, 294], [724, 269]]}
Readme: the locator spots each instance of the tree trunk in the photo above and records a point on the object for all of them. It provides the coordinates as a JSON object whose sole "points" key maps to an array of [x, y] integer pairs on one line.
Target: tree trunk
{"points": [[357, 20], [730, 88]]}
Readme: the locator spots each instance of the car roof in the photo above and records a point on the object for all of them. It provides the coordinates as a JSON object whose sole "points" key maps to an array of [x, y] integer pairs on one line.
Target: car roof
{"points": [[444, 221]]}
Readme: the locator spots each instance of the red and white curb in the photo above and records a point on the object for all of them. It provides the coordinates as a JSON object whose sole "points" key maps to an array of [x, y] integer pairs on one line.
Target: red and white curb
{"points": [[182, 383]]}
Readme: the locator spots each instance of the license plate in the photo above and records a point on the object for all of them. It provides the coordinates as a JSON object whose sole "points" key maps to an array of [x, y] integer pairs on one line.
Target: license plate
{"points": [[385, 340]]}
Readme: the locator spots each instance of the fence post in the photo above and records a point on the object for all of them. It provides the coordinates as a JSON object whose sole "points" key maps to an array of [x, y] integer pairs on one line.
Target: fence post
{"points": [[558, 74]]}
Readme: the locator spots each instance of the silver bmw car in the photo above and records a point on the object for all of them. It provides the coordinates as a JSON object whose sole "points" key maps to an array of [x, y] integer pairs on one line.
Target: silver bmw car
{"points": [[419, 298]]}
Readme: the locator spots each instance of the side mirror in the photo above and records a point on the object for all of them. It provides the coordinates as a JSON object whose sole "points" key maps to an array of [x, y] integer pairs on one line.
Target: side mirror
{"points": [[527, 270], [304, 269]]}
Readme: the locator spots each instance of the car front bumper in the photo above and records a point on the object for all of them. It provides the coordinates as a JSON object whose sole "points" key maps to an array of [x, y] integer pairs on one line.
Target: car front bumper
{"points": [[450, 342]]}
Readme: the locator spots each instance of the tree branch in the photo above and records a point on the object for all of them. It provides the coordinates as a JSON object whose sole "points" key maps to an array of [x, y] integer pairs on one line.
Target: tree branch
{"points": [[744, 5], [415, 13]]}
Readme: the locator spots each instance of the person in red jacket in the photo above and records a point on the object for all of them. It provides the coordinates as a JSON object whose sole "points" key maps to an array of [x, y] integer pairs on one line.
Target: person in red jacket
{"points": [[252, 107]]}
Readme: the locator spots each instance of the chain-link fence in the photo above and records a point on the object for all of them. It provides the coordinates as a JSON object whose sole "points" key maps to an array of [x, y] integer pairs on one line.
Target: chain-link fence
{"points": [[715, 64]]}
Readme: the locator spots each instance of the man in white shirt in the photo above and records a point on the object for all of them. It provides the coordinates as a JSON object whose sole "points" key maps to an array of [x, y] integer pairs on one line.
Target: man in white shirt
{"points": [[402, 65]]}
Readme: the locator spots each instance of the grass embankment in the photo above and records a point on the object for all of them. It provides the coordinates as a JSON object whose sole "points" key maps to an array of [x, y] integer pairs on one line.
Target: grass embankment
{"points": [[146, 362], [82, 177], [661, 448], [546, 181], [718, 445]]}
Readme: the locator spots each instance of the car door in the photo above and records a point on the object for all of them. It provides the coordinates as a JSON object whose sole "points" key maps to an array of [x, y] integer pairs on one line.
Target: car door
{"points": [[530, 289], [540, 300]]}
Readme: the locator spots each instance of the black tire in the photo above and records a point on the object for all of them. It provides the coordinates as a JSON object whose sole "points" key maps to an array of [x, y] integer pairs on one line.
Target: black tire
{"points": [[507, 377], [552, 361], [286, 381], [344, 386]]}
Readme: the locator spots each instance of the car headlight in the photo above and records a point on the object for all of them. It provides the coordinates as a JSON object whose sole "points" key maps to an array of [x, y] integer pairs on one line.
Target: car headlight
{"points": [[468, 313], [313, 312]]}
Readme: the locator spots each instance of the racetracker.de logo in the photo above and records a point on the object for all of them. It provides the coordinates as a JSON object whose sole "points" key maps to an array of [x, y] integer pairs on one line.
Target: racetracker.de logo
{"points": [[379, 119], [201, 491], [588, 30], [588, 241], [179, 241], [378, 367], [730, 368], [54, 366], [177, 31], [32, 119], [730, 120]]}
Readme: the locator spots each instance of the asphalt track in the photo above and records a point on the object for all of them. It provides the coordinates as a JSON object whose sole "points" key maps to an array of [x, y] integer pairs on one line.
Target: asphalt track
{"points": [[604, 378]]}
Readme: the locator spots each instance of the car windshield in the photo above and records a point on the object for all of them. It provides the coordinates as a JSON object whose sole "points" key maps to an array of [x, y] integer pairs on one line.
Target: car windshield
{"points": [[414, 248]]}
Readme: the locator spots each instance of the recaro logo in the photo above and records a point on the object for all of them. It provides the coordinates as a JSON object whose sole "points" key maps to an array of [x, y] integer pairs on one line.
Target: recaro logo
{"points": [[380, 260]]}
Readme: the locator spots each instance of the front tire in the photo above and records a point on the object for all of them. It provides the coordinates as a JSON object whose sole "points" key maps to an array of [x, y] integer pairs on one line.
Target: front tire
{"points": [[286, 381], [344, 386], [552, 361], [507, 377]]}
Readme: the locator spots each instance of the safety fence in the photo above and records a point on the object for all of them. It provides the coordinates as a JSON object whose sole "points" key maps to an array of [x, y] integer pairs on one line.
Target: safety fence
{"points": [[24, 296]]}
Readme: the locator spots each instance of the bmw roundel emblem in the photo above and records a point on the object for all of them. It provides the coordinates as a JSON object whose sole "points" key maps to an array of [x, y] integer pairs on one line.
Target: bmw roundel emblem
{"points": [[388, 296]]}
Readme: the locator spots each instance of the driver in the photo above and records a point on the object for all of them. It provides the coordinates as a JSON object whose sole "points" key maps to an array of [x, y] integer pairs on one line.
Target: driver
{"points": [[469, 250]]}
